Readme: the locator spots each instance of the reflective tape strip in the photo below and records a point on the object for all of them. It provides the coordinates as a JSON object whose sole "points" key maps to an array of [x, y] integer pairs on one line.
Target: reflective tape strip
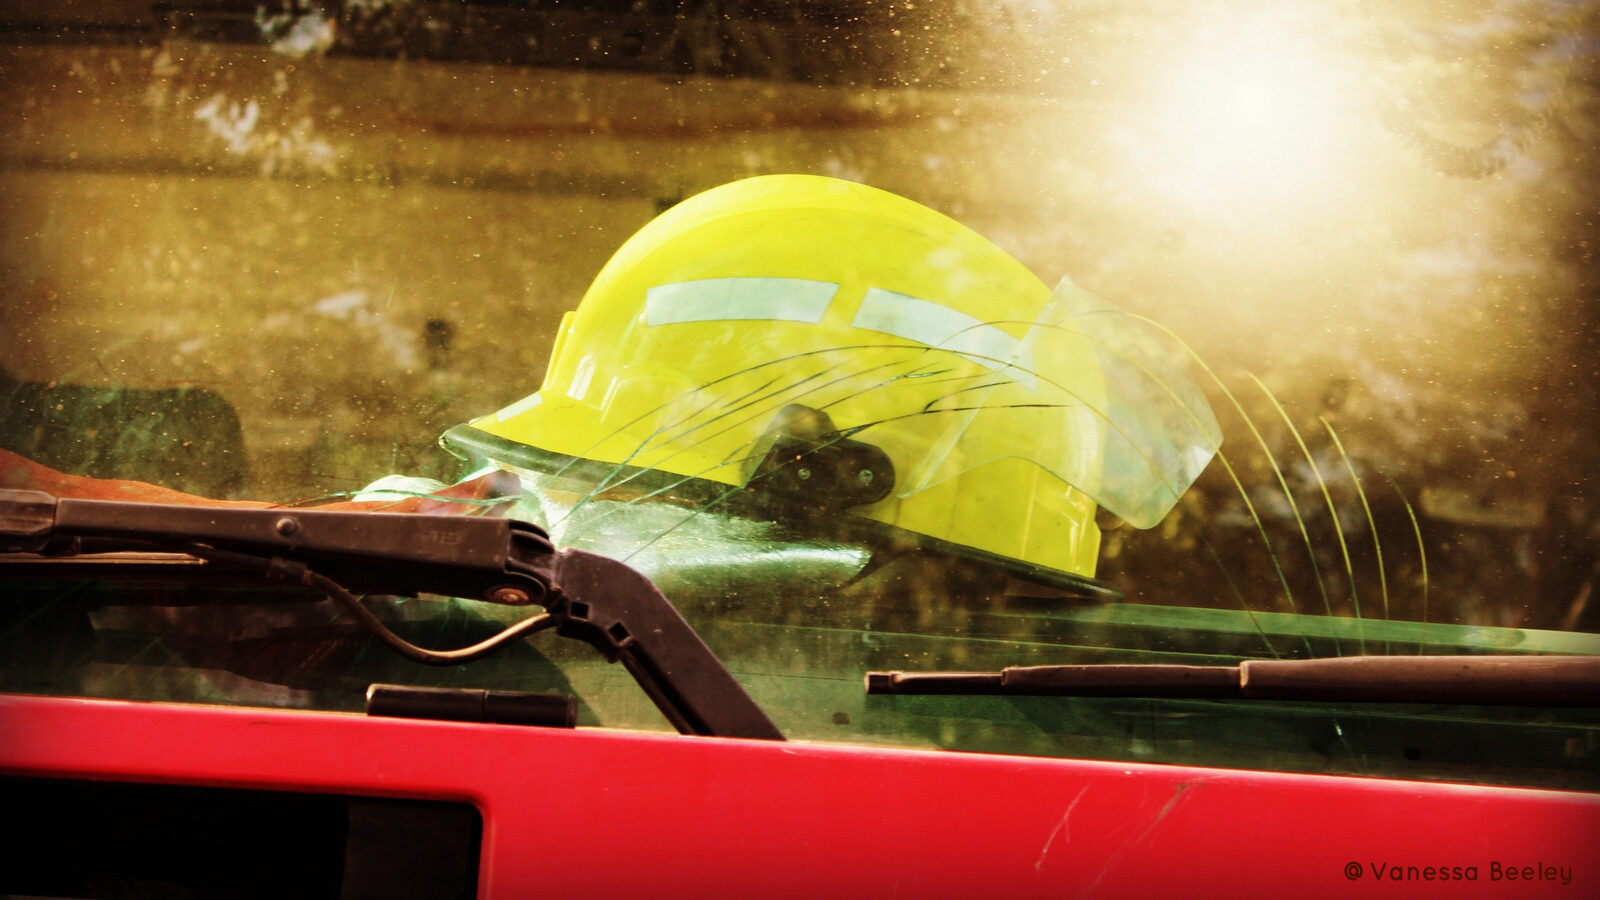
{"points": [[728, 299], [519, 407], [940, 326]]}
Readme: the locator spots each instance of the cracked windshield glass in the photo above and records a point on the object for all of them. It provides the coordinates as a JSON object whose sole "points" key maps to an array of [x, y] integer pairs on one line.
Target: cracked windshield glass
{"points": [[882, 336]]}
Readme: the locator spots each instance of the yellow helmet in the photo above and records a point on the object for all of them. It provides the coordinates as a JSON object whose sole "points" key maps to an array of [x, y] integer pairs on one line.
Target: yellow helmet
{"points": [[812, 350]]}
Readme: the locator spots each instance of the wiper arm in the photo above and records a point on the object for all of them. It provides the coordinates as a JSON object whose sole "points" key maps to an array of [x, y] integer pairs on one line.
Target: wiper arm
{"points": [[585, 596], [1488, 680], [397, 553]]}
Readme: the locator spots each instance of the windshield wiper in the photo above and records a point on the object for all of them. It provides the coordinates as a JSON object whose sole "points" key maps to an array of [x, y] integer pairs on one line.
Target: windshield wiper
{"points": [[585, 596], [1488, 680]]}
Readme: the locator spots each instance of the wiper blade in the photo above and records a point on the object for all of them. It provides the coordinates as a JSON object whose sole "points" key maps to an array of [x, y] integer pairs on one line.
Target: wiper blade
{"points": [[589, 597], [1488, 680]]}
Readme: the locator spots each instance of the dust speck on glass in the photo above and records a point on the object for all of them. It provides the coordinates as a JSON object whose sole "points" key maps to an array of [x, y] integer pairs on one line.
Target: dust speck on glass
{"points": [[913, 336]]}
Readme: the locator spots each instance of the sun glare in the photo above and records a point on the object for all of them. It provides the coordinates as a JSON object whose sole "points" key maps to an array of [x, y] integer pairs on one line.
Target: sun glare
{"points": [[1250, 115]]}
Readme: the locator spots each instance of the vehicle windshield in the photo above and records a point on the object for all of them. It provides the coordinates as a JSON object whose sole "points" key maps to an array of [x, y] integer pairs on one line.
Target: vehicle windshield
{"points": [[1303, 364]]}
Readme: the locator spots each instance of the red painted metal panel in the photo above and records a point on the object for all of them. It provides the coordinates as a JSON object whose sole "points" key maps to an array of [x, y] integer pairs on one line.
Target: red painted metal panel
{"points": [[607, 813]]}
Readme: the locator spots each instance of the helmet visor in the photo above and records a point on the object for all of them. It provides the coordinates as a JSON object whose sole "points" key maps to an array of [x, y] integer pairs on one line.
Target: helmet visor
{"points": [[1095, 397], [1099, 398]]}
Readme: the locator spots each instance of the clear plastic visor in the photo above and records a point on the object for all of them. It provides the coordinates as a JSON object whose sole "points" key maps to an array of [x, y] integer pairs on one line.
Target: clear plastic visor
{"points": [[1099, 398], [1095, 397]]}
